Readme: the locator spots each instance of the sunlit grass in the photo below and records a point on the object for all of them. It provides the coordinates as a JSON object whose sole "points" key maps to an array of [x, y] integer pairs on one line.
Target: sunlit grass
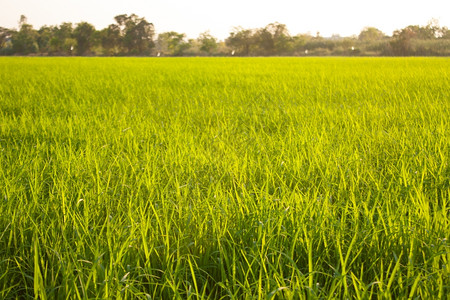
{"points": [[227, 178]]}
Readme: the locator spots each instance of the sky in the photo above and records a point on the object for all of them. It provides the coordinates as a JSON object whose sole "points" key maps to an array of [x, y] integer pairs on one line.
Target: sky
{"points": [[328, 17]]}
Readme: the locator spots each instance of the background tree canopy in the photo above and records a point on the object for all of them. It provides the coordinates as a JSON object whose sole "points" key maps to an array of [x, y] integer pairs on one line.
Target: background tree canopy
{"points": [[134, 35]]}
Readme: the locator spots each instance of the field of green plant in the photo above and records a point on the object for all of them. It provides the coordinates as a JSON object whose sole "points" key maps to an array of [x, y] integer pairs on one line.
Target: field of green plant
{"points": [[224, 178]]}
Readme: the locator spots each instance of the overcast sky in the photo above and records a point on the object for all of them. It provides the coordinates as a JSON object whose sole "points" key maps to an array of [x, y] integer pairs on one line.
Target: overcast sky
{"points": [[345, 17]]}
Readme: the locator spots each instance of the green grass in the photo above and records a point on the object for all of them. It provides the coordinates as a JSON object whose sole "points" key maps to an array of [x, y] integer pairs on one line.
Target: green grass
{"points": [[232, 178]]}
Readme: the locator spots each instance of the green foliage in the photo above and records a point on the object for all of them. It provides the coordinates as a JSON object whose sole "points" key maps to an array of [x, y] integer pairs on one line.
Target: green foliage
{"points": [[371, 34], [241, 40], [283, 178], [45, 34], [24, 41], [84, 35], [137, 34], [172, 43], [274, 39], [208, 42], [410, 40], [111, 39], [132, 35], [62, 42], [5, 34]]}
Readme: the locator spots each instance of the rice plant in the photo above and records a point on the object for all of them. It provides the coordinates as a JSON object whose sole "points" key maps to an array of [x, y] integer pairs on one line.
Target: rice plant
{"points": [[224, 178]]}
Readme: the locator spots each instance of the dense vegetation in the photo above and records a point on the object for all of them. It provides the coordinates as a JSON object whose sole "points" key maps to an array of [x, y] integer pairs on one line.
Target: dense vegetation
{"points": [[132, 35], [224, 178]]}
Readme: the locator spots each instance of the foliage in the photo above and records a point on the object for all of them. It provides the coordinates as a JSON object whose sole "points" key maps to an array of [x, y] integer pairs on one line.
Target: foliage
{"points": [[45, 34], [242, 40], [208, 42], [371, 34], [111, 39], [5, 41], [172, 43], [25, 40], [84, 35], [62, 42], [273, 39], [132, 35], [137, 34]]}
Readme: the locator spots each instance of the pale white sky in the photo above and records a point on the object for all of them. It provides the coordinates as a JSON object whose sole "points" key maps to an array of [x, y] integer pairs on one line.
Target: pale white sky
{"points": [[344, 17]]}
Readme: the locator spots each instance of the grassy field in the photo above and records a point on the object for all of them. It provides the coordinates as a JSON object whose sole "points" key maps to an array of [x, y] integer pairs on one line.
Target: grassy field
{"points": [[232, 178]]}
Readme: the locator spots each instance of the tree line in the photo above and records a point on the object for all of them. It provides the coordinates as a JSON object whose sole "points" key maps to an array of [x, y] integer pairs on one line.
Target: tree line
{"points": [[132, 35]]}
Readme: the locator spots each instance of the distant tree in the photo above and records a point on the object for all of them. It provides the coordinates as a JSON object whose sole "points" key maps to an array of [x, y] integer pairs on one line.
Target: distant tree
{"points": [[111, 39], [419, 32], [133, 35], [336, 37], [420, 40], [173, 43], [84, 35], [241, 40], [264, 41], [5, 35], [445, 33], [299, 42], [62, 41], [208, 43], [371, 34], [274, 39], [24, 41], [431, 31], [45, 35], [137, 34], [401, 40]]}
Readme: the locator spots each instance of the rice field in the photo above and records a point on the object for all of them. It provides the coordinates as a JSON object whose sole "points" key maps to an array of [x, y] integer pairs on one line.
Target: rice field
{"points": [[224, 178]]}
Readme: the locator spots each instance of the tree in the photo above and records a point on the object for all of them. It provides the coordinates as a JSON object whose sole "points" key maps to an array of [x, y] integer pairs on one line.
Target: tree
{"points": [[264, 40], [84, 35], [418, 32], [299, 43], [5, 36], [273, 39], [420, 40], [62, 41], [24, 41], [434, 28], [45, 35], [401, 41], [208, 43], [111, 39], [173, 43], [241, 40], [431, 31], [137, 33], [445, 33], [5, 41], [370, 34]]}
